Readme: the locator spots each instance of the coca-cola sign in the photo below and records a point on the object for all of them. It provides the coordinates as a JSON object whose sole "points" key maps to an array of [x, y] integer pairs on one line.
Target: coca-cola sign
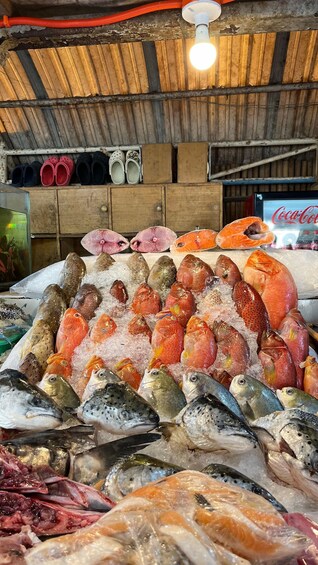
{"points": [[289, 216], [293, 217]]}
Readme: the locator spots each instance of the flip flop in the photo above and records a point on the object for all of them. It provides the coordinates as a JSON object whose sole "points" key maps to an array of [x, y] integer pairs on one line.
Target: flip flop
{"points": [[100, 168], [64, 170], [47, 172], [17, 176], [31, 175], [132, 167], [117, 167], [83, 168]]}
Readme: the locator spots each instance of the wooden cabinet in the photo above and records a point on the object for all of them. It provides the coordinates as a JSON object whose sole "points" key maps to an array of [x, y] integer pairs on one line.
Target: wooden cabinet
{"points": [[189, 206], [60, 216], [136, 208], [43, 204], [83, 209]]}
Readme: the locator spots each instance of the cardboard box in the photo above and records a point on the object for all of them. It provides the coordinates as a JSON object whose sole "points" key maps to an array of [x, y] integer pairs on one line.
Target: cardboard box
{"points": [[157, 163], [193, 162]]}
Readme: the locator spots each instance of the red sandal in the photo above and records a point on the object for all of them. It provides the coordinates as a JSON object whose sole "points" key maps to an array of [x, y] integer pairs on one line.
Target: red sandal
{"points": [[47, 171], [64, 170]]}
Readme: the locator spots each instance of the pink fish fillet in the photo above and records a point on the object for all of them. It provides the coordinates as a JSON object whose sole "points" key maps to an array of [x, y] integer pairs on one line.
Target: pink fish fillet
{"points": [[104, 241], [153, 240]]}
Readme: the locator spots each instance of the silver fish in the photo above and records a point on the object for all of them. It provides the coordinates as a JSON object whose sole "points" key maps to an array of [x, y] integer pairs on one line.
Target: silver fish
{"points": [[255, 398], [133, 472], [99, 379], [162, 275], [118, 409], [230, 476], [162, 392], [292, 397], [12, 314], [196, 384], [209, 425], [25, 407]]}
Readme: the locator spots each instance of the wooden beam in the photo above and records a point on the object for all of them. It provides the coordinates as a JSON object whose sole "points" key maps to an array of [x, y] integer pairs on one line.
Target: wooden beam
{"points": [[5, 8], [262, 16], [263, 162], [156, 96]]}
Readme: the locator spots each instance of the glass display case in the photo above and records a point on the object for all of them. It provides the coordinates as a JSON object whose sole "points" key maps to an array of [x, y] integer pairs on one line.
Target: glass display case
{"points": [[15, 243]]}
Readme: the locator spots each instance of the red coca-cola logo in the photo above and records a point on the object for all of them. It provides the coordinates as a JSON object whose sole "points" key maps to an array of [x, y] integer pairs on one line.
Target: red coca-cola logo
{"points": [[307, 216]]}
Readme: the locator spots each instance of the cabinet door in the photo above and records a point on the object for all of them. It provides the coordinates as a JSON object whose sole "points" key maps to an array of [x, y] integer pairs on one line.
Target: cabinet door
{"points": [[137, 208], [83, 209], [189, 206], [43, 211]]}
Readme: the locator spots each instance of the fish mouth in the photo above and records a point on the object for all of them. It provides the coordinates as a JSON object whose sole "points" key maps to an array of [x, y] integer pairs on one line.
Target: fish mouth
{"points": [[31, 415]]}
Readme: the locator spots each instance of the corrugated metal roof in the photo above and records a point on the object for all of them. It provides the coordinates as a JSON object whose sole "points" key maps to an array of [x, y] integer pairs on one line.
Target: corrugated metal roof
{"points": [[122, 69]]}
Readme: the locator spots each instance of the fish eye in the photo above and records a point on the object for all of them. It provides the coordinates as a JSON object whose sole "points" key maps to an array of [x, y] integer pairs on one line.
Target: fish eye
{"points": [[193, 378], [180, 244], [125, 414], [155, 372], [77, 315], [36, 401], [241, 381], [52, 379], [289, 391]]}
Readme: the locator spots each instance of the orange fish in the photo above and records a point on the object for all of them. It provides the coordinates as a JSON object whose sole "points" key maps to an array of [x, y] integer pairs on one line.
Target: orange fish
{"points": [[227, 271], [146, 301], [104, 328], [128, 372], [194, 274], [196, 240], [181, 303], [94, 364], [72, 330], [199, 345], [58, 365], [119, 291], [274, 283], [251, 308], [277, 362], [235, 351], [139, 326], [167, 340], [245, 233], [294, 332], [311, 376]]}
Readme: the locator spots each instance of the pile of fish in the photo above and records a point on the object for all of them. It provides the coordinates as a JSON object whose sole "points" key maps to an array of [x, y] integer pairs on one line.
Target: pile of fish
{"points": [[245, 233], [188, 519], [208, 360]]}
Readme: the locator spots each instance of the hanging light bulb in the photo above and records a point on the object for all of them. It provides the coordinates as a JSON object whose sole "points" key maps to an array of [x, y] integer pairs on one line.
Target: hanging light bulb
{"points": [[201, 12]]}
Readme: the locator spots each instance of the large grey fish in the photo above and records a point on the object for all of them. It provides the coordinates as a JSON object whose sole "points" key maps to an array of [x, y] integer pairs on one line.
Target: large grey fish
{"points": [[24, 406], [40, 341], [162, 392], [93, 465], [138, 268], [12, 314], [52, 307], [290, 439], [162, 275], [99, 379], [102, 263], [292, 397], [196, 384], [87, 300], [133, 472], [255, 398], [71, 276], [207, 424], [118, 409], [230, 476]]}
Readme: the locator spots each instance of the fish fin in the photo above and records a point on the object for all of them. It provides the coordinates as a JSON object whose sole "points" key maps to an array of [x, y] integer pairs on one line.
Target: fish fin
{"points": [[202, 501]]}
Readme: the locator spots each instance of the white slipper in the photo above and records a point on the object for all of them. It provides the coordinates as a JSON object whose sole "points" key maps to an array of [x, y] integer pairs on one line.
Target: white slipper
{"points": [[132, 167], [117, 167]]}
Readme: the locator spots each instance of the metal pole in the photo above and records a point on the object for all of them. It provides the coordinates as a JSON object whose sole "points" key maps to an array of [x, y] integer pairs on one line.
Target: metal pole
{"points": [[264, 161]]}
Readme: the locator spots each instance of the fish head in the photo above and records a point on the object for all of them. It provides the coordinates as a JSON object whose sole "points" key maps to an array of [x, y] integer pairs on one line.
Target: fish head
{"points": [[194, 384], [288, 396], [227, 270], [30, 407], [196, 324], [105, 376], [261, 261], [87, 299], [119, 409], [73, 320], [242, 387], [272, 343]]}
